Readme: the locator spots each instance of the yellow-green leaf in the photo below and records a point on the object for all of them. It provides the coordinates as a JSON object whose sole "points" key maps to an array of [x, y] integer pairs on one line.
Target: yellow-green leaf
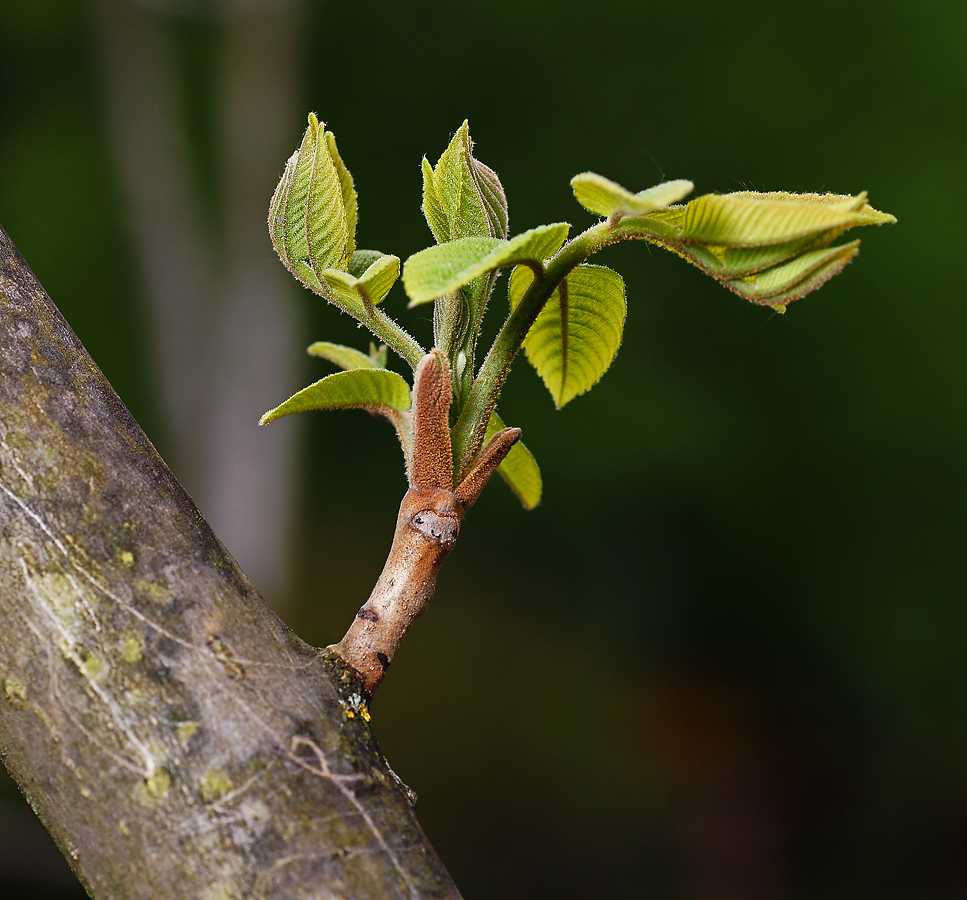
{"points": [[312, 215], [379, 390], [607, 198], [458, 192], [348, 195], [577, 334], [436, 271], [277, 208], [432, 209], [519, 468], [342, 356], [790, 281], [749, 219], [362, 260], [327, 231], [353, 294], [738, 262], [297, 198]]}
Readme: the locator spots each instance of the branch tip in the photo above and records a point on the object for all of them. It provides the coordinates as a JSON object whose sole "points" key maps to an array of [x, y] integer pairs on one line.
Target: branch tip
{"points": [[486, 464], [431, 464]]}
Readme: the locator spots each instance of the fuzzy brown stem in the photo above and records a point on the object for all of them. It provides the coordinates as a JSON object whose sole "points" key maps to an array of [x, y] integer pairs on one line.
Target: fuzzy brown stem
{"points": [[426, 530]]}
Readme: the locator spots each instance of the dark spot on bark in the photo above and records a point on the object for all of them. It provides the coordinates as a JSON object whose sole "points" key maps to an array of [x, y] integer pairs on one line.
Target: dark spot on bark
{"points": [[224, 655], [384, 660], [369, 615], [161, 674]]}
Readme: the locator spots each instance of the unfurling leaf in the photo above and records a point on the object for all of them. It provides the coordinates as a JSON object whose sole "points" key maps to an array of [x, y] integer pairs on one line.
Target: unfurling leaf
{"points": [[769, 248], [577, 334], [344, 357], [378, 390], [436, 271], [749, 219], [519, 468], [312, 216], [606, 198], [369, 288], [461, 196], [787, 282]]}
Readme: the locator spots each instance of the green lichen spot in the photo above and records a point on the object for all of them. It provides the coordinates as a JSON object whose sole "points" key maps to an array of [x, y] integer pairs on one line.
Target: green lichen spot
{"points": [[214, 785], [186, 730], [57, 589], [126, 558], [156, 593], [132, 649], [156, 785], [15, 691], [92, 665]]}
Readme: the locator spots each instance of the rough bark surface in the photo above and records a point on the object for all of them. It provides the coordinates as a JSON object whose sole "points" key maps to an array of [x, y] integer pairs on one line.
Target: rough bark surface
{"points": [[173, 735]]}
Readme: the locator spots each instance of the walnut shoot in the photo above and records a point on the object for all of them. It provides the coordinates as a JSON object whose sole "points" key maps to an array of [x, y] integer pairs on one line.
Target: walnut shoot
{"points": [[568, 316]]}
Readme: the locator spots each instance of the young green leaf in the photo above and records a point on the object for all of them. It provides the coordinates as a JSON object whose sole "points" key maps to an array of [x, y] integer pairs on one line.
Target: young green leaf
{"points": [[749, 219], [378, 390], [606, 198], [466, 199], [493, 197], [781, 284], [438, 270], [344, 357], [348, 194], [277, 208], [362, 260], [359, 295], [312, 216], [577, 334], [519, 468], [432, 207], [296, 199], [769, 248], [738, 262]]}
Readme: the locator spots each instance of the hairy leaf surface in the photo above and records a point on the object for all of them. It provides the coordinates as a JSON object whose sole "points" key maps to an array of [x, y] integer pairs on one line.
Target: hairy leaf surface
{"points": [[348, 195], [607, 198], [362, 260], [432, 208], [436, 271], [378, 390], [782, 284], [342, 356], [577, 334], [355, 294], [749, 219], [519, 468]]}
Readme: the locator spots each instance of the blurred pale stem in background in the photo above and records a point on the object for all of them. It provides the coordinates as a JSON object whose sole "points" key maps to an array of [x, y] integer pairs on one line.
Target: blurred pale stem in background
{"points": [[222, 313]]}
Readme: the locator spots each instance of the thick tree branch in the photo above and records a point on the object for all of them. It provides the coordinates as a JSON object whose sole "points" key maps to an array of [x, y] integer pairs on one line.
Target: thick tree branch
{"points": [[173, 735]]}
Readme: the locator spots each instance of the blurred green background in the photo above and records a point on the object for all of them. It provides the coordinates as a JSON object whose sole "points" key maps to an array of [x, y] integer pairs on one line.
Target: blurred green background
{"points": [[727, 655]]}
